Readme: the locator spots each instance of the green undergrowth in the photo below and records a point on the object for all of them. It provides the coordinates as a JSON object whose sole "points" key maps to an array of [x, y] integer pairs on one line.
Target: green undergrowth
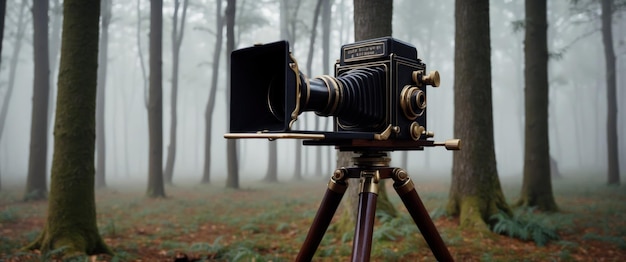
{"points": [[525, 225]]}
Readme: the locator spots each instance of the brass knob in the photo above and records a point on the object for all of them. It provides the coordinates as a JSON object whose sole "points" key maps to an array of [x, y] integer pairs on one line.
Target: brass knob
{"points": [[453, 144], [432, 79], [416, 131], [421, 79]]}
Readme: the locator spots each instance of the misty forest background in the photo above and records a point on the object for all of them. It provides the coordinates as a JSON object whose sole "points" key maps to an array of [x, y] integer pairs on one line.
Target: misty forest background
{"points": [[577, 110], [163, 124]]}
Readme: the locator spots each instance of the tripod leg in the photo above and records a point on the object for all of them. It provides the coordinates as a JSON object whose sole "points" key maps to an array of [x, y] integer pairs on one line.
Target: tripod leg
{"points": [[362, 244], [406, 190], [336, 188]]}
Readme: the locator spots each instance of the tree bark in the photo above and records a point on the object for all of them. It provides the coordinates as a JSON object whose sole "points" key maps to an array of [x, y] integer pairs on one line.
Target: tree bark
{"points": [[71, 221], [537, 182], [105, 8], [36, 183], [475, 192], [372, 19], [611, 94], [232, 179], [210, 107], [177, 39], [155, 104]]}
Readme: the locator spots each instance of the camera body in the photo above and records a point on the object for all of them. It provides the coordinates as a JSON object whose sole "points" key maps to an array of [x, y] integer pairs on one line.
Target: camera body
{"points": [[378, 92]]}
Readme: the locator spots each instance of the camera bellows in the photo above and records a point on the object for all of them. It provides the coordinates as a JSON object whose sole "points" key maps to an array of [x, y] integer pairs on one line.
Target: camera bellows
{"points": [[354, 97]]}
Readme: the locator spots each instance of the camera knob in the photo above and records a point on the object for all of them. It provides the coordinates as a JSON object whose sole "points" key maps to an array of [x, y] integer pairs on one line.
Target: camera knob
{"points": [[417, 131], [431, 79]]}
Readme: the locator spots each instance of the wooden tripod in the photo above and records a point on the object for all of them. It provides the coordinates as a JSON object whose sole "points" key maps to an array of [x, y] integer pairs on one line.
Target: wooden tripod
{"points": [[370, 168]]}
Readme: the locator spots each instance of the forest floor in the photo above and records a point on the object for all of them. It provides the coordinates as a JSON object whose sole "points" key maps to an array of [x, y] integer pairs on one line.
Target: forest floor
{"points": [[268, 222]]}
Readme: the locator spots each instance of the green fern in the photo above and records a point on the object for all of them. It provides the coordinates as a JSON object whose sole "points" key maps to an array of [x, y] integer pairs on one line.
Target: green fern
{"points": [[524, 226]]}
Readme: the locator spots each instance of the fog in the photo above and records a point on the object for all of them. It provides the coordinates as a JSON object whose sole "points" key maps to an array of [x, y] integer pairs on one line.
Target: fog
{"points": [[577, 111]]}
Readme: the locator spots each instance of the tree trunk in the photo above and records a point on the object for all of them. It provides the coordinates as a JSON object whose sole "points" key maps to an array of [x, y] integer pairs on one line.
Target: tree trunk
{"points": [[155, 104], [326, 20], [284, 18], [105, 8], [36, 183], [232, 179], [316, 14], [3, 7], [55, 43], [144, 74], [475, 192], [271, 175], [17, 46], [611, 94], [177, 39], [284, 34], [71, 221], [210, 107], [371, 19], [297, 174], [3, 10], [537, 182]]}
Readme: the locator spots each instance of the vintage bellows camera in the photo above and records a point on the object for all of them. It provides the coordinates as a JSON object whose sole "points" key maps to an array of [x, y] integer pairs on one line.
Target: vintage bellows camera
{"points": [[378, 93]]}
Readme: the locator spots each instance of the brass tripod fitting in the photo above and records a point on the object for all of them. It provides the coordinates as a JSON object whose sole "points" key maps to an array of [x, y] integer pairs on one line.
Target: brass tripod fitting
{"points": [[402, 182], [367, 160], [369, 181], [338, 182]]}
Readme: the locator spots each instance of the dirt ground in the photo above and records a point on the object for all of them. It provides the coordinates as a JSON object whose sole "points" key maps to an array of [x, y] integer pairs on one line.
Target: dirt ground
{"points": [[268, 222]]}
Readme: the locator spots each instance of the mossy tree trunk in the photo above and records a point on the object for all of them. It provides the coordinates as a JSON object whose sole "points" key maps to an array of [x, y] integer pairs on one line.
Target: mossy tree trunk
{"points": [[475, 192], [71, 221], [156, 187], [36, 182], [537, 182]]}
